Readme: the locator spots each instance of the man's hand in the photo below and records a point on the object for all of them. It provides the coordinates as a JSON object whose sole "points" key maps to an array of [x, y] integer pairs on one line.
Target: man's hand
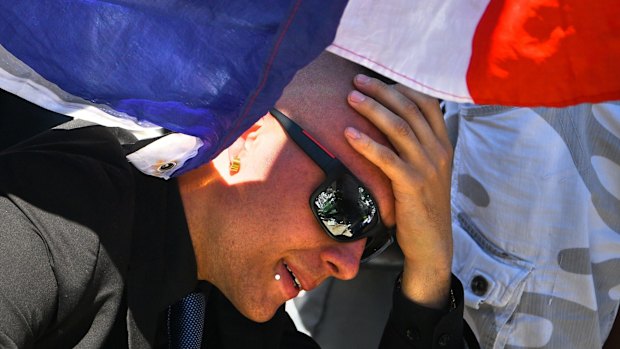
{"points": [[419, 167]]}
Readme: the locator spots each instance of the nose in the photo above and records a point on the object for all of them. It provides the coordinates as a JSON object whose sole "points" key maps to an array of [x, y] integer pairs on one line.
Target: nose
{"points": [[342, 260]]}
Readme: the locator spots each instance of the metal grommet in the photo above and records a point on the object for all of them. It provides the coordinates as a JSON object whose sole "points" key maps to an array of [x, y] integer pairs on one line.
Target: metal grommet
{"points": [[479, 285], [167, 166]]}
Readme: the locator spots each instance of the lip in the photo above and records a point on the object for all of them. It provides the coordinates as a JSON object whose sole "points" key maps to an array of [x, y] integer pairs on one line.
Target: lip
{"points": [[286, 282], [303, 282]]}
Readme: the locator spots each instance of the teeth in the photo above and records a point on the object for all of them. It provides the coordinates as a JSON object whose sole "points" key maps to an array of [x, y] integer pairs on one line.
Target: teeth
{"points": [[296, 282]]}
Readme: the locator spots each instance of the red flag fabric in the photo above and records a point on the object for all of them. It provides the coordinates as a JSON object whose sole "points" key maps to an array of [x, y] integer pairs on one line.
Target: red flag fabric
{"points": [[509, 52]]}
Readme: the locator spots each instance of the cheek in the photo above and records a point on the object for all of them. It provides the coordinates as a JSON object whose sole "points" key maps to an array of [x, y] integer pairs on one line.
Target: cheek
{"points": [[271, 219], [289, 187]]}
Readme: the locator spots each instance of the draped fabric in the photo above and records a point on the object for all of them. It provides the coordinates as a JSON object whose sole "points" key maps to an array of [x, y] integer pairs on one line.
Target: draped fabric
{"points": [[208, 69], [507, 52]]}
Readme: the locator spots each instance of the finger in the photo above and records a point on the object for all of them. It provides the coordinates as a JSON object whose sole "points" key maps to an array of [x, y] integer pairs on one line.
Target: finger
{"points": [[431, 110], [400, 104], [398, 131], [381, 156]]}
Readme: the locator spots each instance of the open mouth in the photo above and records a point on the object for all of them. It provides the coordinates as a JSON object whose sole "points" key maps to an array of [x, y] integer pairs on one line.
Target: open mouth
{"points": [[296, 282]]}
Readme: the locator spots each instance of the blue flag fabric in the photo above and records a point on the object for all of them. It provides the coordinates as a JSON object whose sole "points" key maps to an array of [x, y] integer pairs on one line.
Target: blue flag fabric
{"points": [[204, 68]]}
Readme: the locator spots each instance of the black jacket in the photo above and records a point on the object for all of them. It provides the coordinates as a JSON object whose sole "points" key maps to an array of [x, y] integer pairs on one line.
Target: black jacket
{"points": [[92, 252]]}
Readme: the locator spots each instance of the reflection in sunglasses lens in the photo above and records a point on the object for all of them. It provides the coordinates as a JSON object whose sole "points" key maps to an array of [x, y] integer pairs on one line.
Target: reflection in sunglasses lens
{"points": [[329, 211], [345, 207]]}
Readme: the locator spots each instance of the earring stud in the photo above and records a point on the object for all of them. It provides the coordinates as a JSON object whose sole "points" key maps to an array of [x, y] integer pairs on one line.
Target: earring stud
{"points": [[235, 164]]}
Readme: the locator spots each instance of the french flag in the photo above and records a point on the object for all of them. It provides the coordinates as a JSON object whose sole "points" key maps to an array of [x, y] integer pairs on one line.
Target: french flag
{"points": [[210, 69]]}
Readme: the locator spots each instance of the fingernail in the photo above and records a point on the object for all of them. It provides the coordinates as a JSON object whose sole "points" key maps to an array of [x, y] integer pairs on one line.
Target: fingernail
{"points": [[357, 97], [362, 79], [352, 133]]}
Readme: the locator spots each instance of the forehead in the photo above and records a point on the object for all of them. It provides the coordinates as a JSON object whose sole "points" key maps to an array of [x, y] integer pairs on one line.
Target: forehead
{"points": [[329, 134], [316, 99]]}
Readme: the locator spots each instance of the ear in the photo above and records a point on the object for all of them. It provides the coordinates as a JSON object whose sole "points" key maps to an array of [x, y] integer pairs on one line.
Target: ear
{"points": [[239, 148]]}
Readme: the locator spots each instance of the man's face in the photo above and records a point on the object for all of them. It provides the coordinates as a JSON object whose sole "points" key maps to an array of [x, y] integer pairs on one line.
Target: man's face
{"points": [[271, 229]]}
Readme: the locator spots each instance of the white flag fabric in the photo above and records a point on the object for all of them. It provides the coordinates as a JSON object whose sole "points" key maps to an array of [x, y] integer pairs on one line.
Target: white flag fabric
{"points": [[508, 52]]}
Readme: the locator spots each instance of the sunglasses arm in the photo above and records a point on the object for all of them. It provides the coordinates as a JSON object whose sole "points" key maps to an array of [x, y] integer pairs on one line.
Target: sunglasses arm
{"points": [[319, 154]]}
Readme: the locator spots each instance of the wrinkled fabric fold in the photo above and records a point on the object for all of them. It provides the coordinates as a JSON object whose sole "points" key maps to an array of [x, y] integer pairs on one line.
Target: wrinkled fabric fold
{"points": [[206, 69]]}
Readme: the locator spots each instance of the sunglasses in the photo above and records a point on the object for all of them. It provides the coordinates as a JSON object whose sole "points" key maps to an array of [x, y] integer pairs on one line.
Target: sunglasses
{"points": [[344, 208]]}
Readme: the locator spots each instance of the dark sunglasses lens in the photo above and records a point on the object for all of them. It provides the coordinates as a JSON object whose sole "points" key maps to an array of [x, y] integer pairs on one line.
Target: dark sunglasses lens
{"points": [[346, 208]]}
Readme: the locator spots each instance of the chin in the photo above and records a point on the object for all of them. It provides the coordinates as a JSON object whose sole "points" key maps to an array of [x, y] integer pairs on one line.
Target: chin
{"points": [[260, 313], [256, 307]]}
